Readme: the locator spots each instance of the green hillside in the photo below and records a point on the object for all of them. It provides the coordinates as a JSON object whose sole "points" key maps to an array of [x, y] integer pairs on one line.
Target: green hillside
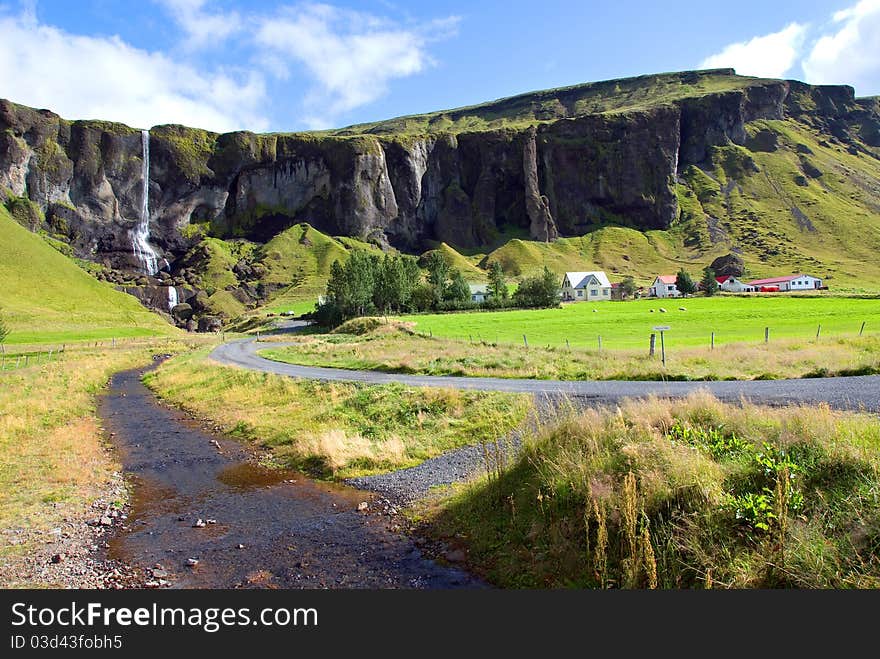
{"points": [[621, 95], [46, 297]]}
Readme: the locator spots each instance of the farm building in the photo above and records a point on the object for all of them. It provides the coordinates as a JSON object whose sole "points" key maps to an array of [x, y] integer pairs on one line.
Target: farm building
{"points": [[733, 285], [664, 286], [586, 287], [791, 283], [479, 292]]}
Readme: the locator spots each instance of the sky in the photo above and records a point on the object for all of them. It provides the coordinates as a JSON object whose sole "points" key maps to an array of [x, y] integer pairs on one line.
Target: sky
{"points": [[283, 65]]}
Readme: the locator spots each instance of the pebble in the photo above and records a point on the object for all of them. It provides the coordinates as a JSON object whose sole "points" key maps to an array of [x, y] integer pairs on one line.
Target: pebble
{"points": [[362, 506], [106, 521], [192, 562], [199, 523]]}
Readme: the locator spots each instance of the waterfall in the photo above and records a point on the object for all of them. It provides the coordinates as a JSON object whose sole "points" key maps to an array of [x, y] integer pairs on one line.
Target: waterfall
{"points": [[172, 297], [140, 239]]}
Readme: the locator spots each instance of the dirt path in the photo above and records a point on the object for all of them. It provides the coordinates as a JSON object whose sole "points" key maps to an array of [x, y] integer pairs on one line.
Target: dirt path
{"points": [[262, 527]]}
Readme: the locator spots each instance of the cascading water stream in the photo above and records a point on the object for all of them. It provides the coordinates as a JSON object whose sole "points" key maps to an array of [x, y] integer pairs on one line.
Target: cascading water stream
{"points": [[172, 297], [140, 239]]}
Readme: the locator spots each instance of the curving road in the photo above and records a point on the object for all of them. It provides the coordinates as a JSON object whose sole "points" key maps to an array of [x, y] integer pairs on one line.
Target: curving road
{"points": [[848, 393]]}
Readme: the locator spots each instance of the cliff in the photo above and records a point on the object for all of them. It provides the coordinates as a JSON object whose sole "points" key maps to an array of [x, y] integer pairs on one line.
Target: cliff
{"points": [[546, 165]]}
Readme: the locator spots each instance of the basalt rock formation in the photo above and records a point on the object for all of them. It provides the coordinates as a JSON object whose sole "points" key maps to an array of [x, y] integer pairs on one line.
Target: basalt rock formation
{"points": [[548, 164]]}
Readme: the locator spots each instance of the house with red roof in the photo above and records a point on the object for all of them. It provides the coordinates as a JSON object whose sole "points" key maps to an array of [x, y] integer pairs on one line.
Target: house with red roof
{"points": [[799, 282], [664, 286]]}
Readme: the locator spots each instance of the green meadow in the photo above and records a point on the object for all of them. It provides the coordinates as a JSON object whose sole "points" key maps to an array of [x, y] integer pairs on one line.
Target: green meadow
{"points": [[627, 325], [47, 298]]}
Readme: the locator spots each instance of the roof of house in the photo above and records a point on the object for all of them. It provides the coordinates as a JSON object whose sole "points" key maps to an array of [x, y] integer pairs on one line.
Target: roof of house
{"points": [[723, 279], [667, 279], [777, 280], [577, 279]]}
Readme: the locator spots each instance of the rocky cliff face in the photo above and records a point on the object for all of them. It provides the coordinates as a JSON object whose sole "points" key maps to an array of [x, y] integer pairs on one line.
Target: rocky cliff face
{"points": [[559, 176]]}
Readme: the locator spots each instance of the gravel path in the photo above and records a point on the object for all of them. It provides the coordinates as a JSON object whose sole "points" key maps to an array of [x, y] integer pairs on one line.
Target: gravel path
{"points": [[404, 486]]}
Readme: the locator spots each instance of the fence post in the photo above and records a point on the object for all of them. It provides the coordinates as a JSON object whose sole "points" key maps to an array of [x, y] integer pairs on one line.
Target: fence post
{"points": [[653, 345], [525, 341], [600, 343], [766, 335], [713, 341], [567, 344], [662, 348], [27, 359], [863, 328], [818, 331]]}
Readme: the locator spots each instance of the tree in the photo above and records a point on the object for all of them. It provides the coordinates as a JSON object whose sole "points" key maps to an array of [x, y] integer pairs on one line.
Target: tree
{"points": [[540, 291], [708, 283], [457, 291], [684, 283], [497, 282], [396, 276], [628, 287], [438, 273]]}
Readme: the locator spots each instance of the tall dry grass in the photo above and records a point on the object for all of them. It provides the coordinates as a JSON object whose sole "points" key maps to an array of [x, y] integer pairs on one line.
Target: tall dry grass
{"points": [[682, 494], [336, 429]]}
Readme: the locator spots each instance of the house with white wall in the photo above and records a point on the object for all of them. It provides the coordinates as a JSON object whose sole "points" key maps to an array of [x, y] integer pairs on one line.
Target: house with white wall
{"points": [[586, 287], [799, 282], [479, 292], [664, 286]]}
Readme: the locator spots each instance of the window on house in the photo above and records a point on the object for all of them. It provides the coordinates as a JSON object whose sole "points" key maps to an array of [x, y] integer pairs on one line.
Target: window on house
{"points": [[580, 293], [606, 292], [593, 292]]}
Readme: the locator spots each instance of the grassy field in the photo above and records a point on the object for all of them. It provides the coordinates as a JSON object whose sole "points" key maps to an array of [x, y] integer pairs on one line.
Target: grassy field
{"points": [[46, 297], [396, 349], [335, 430], [55, 460], [692, 494], [625, 325]]}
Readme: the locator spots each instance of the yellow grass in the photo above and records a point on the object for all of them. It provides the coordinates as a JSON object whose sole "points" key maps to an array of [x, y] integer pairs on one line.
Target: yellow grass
{"points": [[55, 460], [336, 429]]}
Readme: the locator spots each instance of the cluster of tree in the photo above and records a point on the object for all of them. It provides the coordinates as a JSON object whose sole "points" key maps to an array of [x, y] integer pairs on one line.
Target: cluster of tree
{"points": [[367, 284], [539, 291], [686, 285]]}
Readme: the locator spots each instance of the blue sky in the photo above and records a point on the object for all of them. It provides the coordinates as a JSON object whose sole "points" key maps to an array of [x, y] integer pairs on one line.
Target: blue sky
{"points": [[286, 65]]}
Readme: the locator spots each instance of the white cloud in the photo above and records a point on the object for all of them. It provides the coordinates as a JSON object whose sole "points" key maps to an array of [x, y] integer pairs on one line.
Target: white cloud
{"points": [[851, 53], [202, 28], [768, 56], [104, 78], [351, 56]]}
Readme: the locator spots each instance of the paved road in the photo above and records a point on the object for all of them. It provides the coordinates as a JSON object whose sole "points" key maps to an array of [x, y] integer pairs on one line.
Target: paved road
{"points": [[850, 393]]}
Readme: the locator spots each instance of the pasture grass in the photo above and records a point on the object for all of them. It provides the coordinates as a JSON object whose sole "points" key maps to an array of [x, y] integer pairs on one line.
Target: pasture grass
{"points": [[734, 319], [392, 348], [686, 494]]}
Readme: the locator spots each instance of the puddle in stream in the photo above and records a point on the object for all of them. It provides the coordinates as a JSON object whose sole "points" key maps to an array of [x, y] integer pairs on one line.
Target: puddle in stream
{"points": [[263, 528]]}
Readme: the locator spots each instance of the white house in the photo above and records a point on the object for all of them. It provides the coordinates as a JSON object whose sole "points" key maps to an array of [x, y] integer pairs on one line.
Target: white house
{"points": [[791, 283], [733, 285], [586, 287], [664, 286], [479, 292]]}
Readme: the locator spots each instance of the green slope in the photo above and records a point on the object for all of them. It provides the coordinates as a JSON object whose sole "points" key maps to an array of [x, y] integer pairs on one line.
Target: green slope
{"points": [[532, 108], [46, 297]]}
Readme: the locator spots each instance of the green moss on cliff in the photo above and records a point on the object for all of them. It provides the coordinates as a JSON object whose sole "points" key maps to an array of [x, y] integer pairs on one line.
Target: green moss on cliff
{"points": [[190, 148]]}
